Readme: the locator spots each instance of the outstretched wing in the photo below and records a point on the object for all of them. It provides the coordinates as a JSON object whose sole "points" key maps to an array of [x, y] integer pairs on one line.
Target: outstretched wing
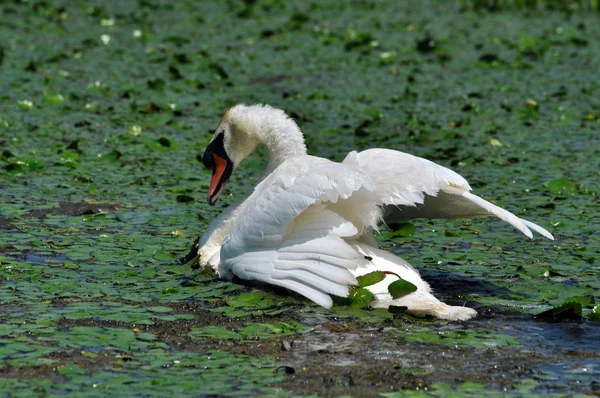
{"points": [[410, 187], [286, 236]]}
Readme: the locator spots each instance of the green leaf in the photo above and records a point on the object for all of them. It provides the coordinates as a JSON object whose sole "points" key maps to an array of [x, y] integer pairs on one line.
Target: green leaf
{"points": [[360, 297], [249, 331], [160, 309], [145, 336], [70, 265], [93, 189], [370, 278], [265, 330], [406, 229], [53, 99], [246, 299], [549, 273], [401, 288], [215, 332], [567, 310], [594, 313], [562, 185], [162, 144], [585, 301], [70, 370]]}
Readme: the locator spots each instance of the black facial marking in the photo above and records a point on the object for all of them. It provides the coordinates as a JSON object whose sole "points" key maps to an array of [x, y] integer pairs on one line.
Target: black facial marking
{"points": [[218, 148]]}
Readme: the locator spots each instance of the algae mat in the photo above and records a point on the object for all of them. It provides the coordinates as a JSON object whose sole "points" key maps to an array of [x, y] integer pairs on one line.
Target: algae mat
{"points": [[105, 105]]}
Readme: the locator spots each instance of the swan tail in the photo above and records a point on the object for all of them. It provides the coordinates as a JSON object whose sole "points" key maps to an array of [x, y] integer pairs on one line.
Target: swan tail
{"points": [[419, 303]]}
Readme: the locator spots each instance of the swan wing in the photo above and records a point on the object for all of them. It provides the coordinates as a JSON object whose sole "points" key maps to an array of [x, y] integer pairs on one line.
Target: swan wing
{"points": [[285, 234], [410, 187]]}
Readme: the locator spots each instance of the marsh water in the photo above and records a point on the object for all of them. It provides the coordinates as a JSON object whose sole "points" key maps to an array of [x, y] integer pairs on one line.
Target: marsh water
{"points": [[105, 105]]}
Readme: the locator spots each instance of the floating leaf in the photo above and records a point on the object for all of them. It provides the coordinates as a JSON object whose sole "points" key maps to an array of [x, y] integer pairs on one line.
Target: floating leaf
{"points": [[401, 288], [562, 185], [495, 142], [25, 105], [405, 229], [145, 336], [362, 41], [160, 309], [571, 308], [218, 332], [161, 144], [360, 297], [71, 370], [53, 99], [370, 278], [21, 165], [532, 104], [135, 130], [249, 331], [70, 265], [594, 313], [246, 299], [585, 301], [549, 273]]}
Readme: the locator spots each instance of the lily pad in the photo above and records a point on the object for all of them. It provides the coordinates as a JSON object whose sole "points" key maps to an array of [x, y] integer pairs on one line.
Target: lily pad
{"points": [[401, 288], [370, 279]]}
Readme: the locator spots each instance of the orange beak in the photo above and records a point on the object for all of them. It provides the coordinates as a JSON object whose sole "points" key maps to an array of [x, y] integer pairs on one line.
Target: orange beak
{"points": [[215, 157], [217, 182]]}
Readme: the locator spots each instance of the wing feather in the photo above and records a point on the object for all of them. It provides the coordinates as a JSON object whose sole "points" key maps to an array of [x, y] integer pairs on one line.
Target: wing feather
{"points": [[287, 236], [410, 187]]}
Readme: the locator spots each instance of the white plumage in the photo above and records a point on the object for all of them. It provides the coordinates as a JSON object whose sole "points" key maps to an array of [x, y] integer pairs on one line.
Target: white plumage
{"points": [[308, 225]]}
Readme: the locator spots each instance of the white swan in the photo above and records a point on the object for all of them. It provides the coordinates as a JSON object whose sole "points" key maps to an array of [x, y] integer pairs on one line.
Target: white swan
{"points": [[308, 225]]}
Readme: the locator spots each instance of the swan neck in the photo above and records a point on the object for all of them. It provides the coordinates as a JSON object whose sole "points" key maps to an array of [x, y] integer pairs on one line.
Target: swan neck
{"points": [[283, 140]]}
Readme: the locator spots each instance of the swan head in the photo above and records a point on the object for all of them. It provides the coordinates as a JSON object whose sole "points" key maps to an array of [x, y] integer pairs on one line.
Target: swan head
{"points": [[235, 138]]}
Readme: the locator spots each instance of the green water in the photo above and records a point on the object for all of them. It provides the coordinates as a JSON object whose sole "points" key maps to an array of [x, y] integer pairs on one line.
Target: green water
{"points": [[105, 105]]}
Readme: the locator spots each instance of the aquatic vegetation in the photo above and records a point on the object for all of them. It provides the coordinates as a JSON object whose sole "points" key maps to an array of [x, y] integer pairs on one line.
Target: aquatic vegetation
{"points": [[100, 193]]}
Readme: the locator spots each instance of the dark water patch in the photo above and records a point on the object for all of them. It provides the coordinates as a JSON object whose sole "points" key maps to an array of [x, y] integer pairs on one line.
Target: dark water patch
{"points": [[6, 224], [547, 337], [450, 283], [334, 362], [7, 248], [13, 309], [574, 374]]}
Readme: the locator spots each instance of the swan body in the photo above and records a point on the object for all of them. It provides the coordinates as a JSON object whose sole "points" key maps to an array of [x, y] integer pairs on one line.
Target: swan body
{"points": [[308, 225]]}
